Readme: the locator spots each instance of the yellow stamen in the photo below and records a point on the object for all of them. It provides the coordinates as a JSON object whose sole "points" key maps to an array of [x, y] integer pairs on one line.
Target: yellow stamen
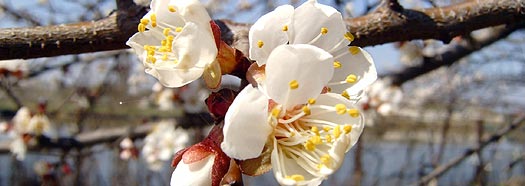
{"points": [[337, 132], [178, 29], [144, 21], [326, 128], [296, 177], [285, 28], [324, 30], [141, 27], [166, 31], [354, 50], [337, 64], [276, 112], [294, 84], [326, 159], [311, 101], [309, 145], [348, 36], [260, 43], [153, 18], [315, 130], [171, 8], [340, 109], [316, 140], [345, 94], [347, 128], [328, 138], [353, 112], [165, 57], [307, 110], [352, 78]]}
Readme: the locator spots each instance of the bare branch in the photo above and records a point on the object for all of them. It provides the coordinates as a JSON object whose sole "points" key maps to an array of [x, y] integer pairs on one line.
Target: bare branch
{"points": [[493, 138], [375, 28], [448, 57]]}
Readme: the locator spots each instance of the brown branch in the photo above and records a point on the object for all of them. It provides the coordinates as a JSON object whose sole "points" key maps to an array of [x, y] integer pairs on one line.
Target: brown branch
{"points": [[451, 55], [109, 33], [493, 138], [378, 27]]}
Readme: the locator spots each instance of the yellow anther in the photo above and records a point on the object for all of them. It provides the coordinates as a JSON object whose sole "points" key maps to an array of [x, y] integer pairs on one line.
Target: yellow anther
{"points": [[309, 145], [294, 84], [328, 138], [328, 89], [316, 140], [285, 28], [295, 177], [260, 43], [175, 61], [311, 101], [345, 94], [353, 112], [324, 30], [326, 128], [276, 112], [151, 52], [151, 59], [326, 159], [354, 50], [292, 134], [337, 64], [352, 78], [144, 21], [165, 57], [166, 32], [170, 38], [347, 128], [178, 29], [307, 110], [348, 36], [153, 17], [337, 131], [163, 43], [141, 27], [340, 109], [171, 8], [315, 130]]}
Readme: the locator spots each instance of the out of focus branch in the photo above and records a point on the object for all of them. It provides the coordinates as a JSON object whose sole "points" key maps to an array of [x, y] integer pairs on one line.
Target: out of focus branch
{"points": [[520, 120], [384, 25], [451, 55]]}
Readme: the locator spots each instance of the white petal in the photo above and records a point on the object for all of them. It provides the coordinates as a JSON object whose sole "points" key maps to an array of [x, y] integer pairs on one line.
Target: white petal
{"points": [[310, 66], [193, 11], [284, 166], [246, 127], [175, 77], [268, 29], [194, 174], [361, 65], [308, 21], [165, 18], [194, 46]]}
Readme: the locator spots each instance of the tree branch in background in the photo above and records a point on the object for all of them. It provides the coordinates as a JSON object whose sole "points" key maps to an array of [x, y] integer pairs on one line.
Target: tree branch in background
{"points": [[518, 121], [379, 27], [20, 15], [453, 54]]}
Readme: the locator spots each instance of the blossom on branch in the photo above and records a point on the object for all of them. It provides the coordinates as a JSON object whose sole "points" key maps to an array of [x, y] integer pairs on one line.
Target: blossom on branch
{"points": [[321, 26], [175, 42], [308, 129]]}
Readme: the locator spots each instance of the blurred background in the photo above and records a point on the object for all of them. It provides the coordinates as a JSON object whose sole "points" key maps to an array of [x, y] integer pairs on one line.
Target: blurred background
{"points": [[100, 120]]}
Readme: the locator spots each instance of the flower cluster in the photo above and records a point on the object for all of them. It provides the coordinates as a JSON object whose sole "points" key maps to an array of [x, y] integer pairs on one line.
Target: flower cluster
{"points": [[299, 109]]}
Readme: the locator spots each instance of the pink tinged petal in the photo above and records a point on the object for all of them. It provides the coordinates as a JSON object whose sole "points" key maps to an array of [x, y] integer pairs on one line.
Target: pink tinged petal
{"points": [[309, 66], [284, 166], [196, 173], [269, 30], [308, 21], [361, 65], [245, 125]]}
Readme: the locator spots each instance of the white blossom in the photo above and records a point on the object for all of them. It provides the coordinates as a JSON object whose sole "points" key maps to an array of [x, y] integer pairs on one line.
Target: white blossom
{"points": [[162, 143]]}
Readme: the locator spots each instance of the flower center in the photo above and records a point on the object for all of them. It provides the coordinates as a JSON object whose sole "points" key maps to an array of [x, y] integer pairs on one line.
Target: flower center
{"points": [[306, 138]]}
